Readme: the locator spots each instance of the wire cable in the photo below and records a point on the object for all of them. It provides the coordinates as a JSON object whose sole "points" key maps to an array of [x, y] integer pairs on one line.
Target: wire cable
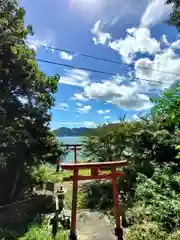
{"points": [[18, 202], [95, 71], [100, 58]]}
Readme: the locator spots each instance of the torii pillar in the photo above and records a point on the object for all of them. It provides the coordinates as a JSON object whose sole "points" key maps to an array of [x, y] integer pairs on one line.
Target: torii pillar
{"points": [[95, 175]]}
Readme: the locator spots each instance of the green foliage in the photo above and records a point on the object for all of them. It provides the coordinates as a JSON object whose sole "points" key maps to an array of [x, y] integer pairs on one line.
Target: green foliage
{"points": [[39, 173], [150, 190], [144, 144], [146, 231], [98, 195], [157, 199], [139, 142], [156, 206], [55, 151], [26, 96], [46, 172], [178, 148], [175, 15], [168, 108], [4, 234], [156, 210], [43, 233]]}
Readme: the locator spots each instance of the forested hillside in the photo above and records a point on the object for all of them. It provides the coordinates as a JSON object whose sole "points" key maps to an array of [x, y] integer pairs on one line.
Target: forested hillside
{"points": [[63, 131]]}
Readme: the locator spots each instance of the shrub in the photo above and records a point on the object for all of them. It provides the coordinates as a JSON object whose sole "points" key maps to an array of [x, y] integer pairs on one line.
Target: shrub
{"points": [[43, 233], [146, 231]]}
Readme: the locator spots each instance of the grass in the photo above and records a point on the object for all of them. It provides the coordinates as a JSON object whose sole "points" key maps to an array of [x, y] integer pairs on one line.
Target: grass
{"points": [[50, 174], [43, 232]]}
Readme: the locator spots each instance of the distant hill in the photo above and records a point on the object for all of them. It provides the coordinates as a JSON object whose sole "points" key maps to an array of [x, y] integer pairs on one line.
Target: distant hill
{"points": [[64, 131]]}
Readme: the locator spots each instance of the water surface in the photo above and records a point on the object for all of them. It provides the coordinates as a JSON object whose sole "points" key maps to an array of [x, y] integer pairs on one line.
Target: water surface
{"points": [[71, 140]]}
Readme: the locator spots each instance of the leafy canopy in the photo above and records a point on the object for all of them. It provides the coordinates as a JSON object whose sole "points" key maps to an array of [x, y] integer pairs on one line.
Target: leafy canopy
{"points": [[175, 15], [27, 95]]}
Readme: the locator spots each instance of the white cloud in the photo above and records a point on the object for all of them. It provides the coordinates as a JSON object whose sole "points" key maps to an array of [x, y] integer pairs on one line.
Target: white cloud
{"points": [[85, 109], [157, 11], [74, 124], [164, 40], [163, 65], [135, 117], [65, 56], [110, 11], [35, 44], [79, 104], [79, 97], [124, 96], [64, 105], [69, 123], [99, 36], [90, 124], [164, 62], [107, 117], [176, 45], [137, 40], [115, 121], [61, 107], [160, 71], [75, 77], [103, 111]]}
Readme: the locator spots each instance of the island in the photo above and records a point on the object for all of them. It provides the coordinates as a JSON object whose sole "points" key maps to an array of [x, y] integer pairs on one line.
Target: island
{"points": [[64, 131]]}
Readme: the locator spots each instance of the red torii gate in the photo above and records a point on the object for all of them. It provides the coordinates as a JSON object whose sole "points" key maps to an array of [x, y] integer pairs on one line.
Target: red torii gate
{"points": [[95, 175], [73, 147]]}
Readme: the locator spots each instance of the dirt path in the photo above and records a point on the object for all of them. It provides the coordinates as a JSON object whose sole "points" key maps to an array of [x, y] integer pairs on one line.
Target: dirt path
{"points": [[93, 226]]}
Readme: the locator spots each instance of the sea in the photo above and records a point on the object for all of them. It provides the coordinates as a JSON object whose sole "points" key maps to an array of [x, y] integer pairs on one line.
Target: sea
{"points": [[70, 155]]}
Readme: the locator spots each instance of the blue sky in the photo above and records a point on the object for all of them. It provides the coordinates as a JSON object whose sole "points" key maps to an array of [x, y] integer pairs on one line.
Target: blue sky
{"points": [[124, 31]]}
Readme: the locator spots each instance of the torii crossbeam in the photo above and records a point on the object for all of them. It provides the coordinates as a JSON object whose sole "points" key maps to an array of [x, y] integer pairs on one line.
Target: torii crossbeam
{"points": [[95, 175]]}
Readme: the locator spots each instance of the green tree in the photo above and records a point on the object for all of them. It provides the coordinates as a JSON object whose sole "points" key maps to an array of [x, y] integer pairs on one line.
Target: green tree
{"points": [[145, 144], [26, 96], [175, 15], [167, 106]]}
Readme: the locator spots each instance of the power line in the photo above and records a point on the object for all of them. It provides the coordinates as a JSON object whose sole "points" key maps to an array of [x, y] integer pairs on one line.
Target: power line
{"points": [[18, 202], [95, 71], [101, 59]]}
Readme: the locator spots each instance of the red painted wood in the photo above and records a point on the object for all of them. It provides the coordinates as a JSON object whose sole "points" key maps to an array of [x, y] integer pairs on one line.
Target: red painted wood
{"points": [[94, 177], [116, 198], [72, 149], [71, 145], [75, 155], [94, 171], [101, 165], [74, 201]]}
